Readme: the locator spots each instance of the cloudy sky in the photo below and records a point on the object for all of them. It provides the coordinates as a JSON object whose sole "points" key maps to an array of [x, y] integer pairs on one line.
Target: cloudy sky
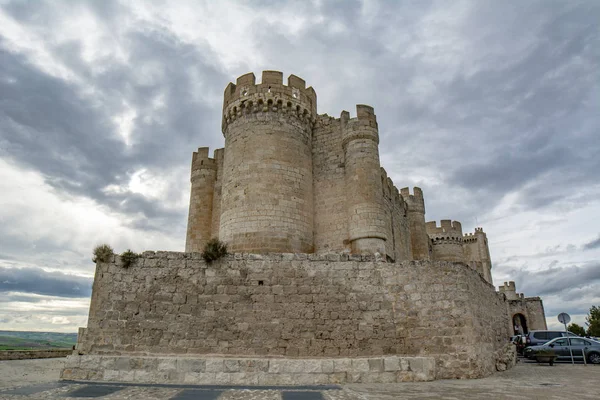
{"points": [[492, 107]]}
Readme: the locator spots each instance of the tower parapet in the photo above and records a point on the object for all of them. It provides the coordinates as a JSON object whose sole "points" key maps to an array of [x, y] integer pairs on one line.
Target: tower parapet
{"points": [[416, 218], [246, 99], [367, 218], [446, 240], [267, 189], [203, 178], [510, 291], [476, 249]]}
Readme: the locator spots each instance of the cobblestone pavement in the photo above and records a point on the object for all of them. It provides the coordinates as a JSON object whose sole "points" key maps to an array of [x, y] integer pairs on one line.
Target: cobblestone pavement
{"points": [[525, 381]]}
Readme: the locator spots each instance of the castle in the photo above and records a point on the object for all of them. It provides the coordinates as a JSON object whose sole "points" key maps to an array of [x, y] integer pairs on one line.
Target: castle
{"points": [[333, 274], [290, 180]]}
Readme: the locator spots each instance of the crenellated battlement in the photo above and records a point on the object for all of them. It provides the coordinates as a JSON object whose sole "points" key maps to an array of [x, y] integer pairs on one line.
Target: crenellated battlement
{"points": [[365, 116], [448, 232], [201, 160], [507, 287], [446, 226], [363, 126], [473, 237], [390, 190], [510, 291], [415, 201], [247, 98]]}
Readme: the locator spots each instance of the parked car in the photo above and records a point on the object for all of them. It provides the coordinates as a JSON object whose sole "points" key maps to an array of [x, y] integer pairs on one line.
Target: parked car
{"points": [[519, 342], [579, 346], [535, 338]]}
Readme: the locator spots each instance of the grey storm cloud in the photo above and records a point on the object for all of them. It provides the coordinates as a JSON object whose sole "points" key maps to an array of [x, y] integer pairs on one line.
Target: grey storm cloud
{"points": [[501, 126], [48, 124], [38, 281], [556, 280], [486, 97], [594, 244]]}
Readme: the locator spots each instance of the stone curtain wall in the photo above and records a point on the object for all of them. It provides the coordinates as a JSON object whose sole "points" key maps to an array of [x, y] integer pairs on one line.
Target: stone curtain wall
{"points": [[331, 221], [398, 245], [298, 305]]}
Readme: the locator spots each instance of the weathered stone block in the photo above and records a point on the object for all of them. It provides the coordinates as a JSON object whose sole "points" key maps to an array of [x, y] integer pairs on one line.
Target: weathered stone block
{"points": [[391, 364], [360, 365], [187, 365], [214, 365]]}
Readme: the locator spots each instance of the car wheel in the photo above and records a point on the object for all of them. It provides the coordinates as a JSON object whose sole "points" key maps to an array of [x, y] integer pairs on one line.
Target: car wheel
{"points": [[594, 358]]}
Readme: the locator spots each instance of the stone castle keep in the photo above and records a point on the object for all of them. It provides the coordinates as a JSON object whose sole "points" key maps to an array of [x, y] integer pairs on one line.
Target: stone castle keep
{"points": [[333, 274], [292, 181]]}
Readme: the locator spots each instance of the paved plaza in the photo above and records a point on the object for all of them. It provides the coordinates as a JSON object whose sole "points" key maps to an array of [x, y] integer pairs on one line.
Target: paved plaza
{"points": [[38, 379]]}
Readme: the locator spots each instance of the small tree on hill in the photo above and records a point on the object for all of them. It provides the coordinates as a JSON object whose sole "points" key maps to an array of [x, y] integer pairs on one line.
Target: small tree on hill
{"points": [[576, 329], [593, 321]]}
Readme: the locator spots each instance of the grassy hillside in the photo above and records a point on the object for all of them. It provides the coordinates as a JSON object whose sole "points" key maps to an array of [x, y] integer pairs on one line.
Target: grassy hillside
{"points": [[16, 340]]}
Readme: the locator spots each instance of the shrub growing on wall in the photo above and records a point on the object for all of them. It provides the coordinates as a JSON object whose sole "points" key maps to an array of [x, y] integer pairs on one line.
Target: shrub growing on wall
{"points": [[128, 257], [102, 253], [213, 250]]}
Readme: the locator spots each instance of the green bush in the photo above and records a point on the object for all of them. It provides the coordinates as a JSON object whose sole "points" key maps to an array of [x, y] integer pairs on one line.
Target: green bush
{"points": [[128, 257], [102, 253], [213, 250]]}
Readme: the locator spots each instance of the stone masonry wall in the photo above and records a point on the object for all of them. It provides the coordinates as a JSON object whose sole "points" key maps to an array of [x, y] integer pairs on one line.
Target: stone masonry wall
{"points": [[331, 221], [398, 245], [267, 180], [204, 173], [533, 310], [298, 305]]}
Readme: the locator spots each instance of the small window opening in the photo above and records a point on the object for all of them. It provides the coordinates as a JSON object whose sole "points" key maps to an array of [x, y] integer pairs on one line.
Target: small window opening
{"points": [[261, 283]]}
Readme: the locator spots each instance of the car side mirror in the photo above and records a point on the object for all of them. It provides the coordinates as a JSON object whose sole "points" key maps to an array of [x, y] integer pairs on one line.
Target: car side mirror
{"points": [[551, 345]]}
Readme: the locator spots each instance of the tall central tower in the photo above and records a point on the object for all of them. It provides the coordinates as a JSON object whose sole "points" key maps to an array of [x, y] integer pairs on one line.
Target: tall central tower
{"points": [[267, 188]]}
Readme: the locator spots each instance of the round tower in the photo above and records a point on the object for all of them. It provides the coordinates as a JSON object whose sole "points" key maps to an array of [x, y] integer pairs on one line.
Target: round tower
{"points": [[367, 217], [446, 240], [267, 188], [416, 219], [203, 177]]}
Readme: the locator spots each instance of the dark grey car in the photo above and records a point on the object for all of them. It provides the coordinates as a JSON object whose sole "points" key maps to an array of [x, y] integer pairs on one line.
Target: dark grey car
{"points": [[534, 338], [579, 347]]}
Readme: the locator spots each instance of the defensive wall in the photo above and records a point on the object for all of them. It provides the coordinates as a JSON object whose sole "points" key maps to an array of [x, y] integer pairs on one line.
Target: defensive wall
{"points": [[297, 306], [529, 308]]}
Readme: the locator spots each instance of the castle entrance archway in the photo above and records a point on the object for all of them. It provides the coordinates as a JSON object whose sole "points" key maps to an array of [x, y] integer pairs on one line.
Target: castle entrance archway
{"points": [[520, 324]]}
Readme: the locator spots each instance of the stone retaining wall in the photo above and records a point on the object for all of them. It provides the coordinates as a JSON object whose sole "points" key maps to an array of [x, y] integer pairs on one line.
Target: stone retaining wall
{"points": [[298, 306], [29, 354], [248, 371]]}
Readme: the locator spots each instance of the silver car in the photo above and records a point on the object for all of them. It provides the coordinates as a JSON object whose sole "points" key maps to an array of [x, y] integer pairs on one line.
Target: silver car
{"points": [[578, 346]]}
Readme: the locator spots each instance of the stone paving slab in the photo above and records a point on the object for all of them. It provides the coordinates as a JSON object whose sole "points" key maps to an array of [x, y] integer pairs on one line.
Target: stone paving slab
{"points": [[525, 381], [32, 389]]}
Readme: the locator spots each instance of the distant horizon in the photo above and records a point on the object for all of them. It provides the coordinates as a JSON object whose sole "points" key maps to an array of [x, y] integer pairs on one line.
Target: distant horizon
{"points": [[11, 330]]}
